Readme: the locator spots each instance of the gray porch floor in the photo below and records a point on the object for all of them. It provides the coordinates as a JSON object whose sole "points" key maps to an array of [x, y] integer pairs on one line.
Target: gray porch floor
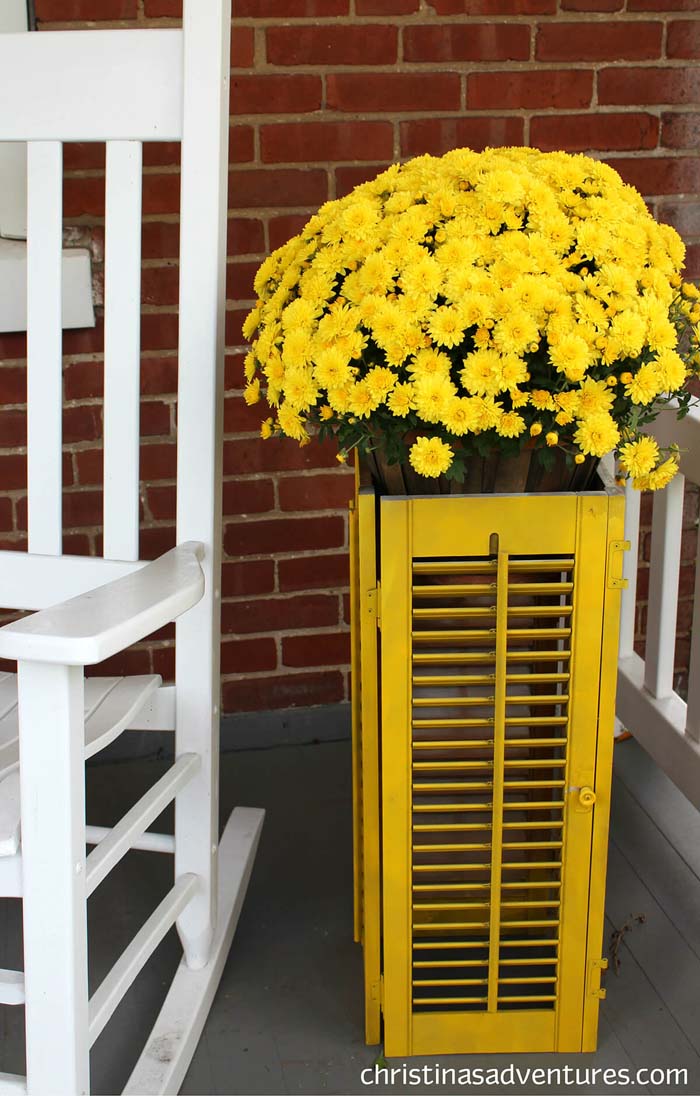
{"points": [[288, 1014]]}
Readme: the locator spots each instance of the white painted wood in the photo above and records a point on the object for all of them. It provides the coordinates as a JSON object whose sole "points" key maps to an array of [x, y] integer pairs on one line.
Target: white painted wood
{"points": [[658, 724], [684, 433], [692, 726], [94, 626], [11, 987], [29, 581], [666, 528], [107, 997], [44, 343], [110, 851], [118, 710], [199, 468], [9, 815], [54, 907], [158, 713], [148, 842], [11, 1084], [92, 85], [11, 876], [13, 157], [628, 611], [111, 705], [168, 1052], [122, 356], [77, 309]]}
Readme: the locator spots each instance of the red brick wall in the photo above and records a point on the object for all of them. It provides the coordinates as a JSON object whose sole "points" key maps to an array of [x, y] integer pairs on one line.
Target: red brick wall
{"points": [[325, 93]]}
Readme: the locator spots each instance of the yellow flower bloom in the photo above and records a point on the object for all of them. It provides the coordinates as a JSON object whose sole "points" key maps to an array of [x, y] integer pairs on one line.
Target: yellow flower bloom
{"points": [[646, 384], [552, 438], [637, 458], [430, 457], [597, 434], [291, 423], [535, 429], [251, 394], [401, 400], [510, 425], [267, 428], [446, 326], [460, 415]]}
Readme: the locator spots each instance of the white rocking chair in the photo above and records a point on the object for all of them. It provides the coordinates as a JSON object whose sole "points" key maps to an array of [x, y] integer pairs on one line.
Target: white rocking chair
{"points": [[124, 88]]}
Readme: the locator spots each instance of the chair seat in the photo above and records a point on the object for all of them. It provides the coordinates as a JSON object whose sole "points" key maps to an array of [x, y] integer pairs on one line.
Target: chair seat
{"points": [[111, 704]]}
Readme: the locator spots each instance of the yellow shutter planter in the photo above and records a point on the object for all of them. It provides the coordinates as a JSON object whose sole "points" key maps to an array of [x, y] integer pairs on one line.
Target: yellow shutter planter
{"points": [[484, 667]]}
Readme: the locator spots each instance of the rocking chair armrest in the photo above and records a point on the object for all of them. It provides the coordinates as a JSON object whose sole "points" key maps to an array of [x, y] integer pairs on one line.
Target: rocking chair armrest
{"points": [[93, 626]]}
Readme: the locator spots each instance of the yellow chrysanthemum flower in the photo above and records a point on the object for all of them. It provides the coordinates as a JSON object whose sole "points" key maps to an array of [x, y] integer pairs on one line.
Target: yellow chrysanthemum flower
{"points": [[597, 434], [430, 457], [639, 457], [510, 425], [251, 394]]}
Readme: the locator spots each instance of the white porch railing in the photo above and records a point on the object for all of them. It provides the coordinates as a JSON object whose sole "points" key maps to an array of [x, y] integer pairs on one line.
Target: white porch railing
{"points": [[647, 703]]}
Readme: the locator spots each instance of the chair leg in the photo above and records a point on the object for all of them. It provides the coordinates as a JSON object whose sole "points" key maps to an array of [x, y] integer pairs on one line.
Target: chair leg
{"points": [[197, 804], [52, 773]]}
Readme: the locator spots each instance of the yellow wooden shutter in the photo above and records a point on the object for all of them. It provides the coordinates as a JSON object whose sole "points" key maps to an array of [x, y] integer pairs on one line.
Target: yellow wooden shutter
{"points": [[493, 629]]}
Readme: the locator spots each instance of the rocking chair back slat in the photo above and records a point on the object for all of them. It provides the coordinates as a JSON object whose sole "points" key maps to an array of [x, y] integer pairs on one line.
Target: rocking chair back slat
{"points": [[92, 86], [122, 349], [44, 347]]}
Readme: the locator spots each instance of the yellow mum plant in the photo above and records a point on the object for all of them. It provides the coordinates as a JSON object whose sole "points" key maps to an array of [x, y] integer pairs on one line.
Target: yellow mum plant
{"points": [[475, 302]]}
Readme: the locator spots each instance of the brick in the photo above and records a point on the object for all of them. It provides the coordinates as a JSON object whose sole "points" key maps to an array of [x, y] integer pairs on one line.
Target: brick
{"points": [[662, 5], [346, 178], [158, 331], [248, 497], [367, 91], [13, 385], [154, 542], [83, 423], [83, 156], [288, 94], [239, 418], [660, 175], [158, 461], [242, 46], [160, 240], [82, 508], [161, 154], [234, 324], [283, 691], [581, 132], [329, 492], [158, 376], [84, 340], [77, 10], [322, 649], [241, 144], [317, 571], [244, 656], [591, 5], [680, 130], [255, 538], [438, 135], [302, 142], [494, 7], [13, 345], [597, 41], [13, 471], [164, 662], [242, 578], [277, 613], [642, 86], [245, 236], [234, 377], [84, 196], [239, 280], [162, 503], [692, 261], [160, 285], [386, 7], [161, 193], [13, 428], [467, 42], [683, 39], [254, 188], [6, 515], [266, 9], [332, 45], [125, 664], [283, 228], [275, 455], [558, 88], [156, 8], [155, 418]]}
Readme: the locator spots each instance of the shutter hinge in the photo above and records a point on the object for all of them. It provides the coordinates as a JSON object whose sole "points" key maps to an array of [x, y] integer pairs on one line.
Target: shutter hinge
{"points": [[595, 970], [376, 991], [374, 604], [615, 579]]}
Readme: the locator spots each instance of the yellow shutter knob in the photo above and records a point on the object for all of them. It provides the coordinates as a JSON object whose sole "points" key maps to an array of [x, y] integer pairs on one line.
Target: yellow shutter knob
{"points": [[586, 798]]}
